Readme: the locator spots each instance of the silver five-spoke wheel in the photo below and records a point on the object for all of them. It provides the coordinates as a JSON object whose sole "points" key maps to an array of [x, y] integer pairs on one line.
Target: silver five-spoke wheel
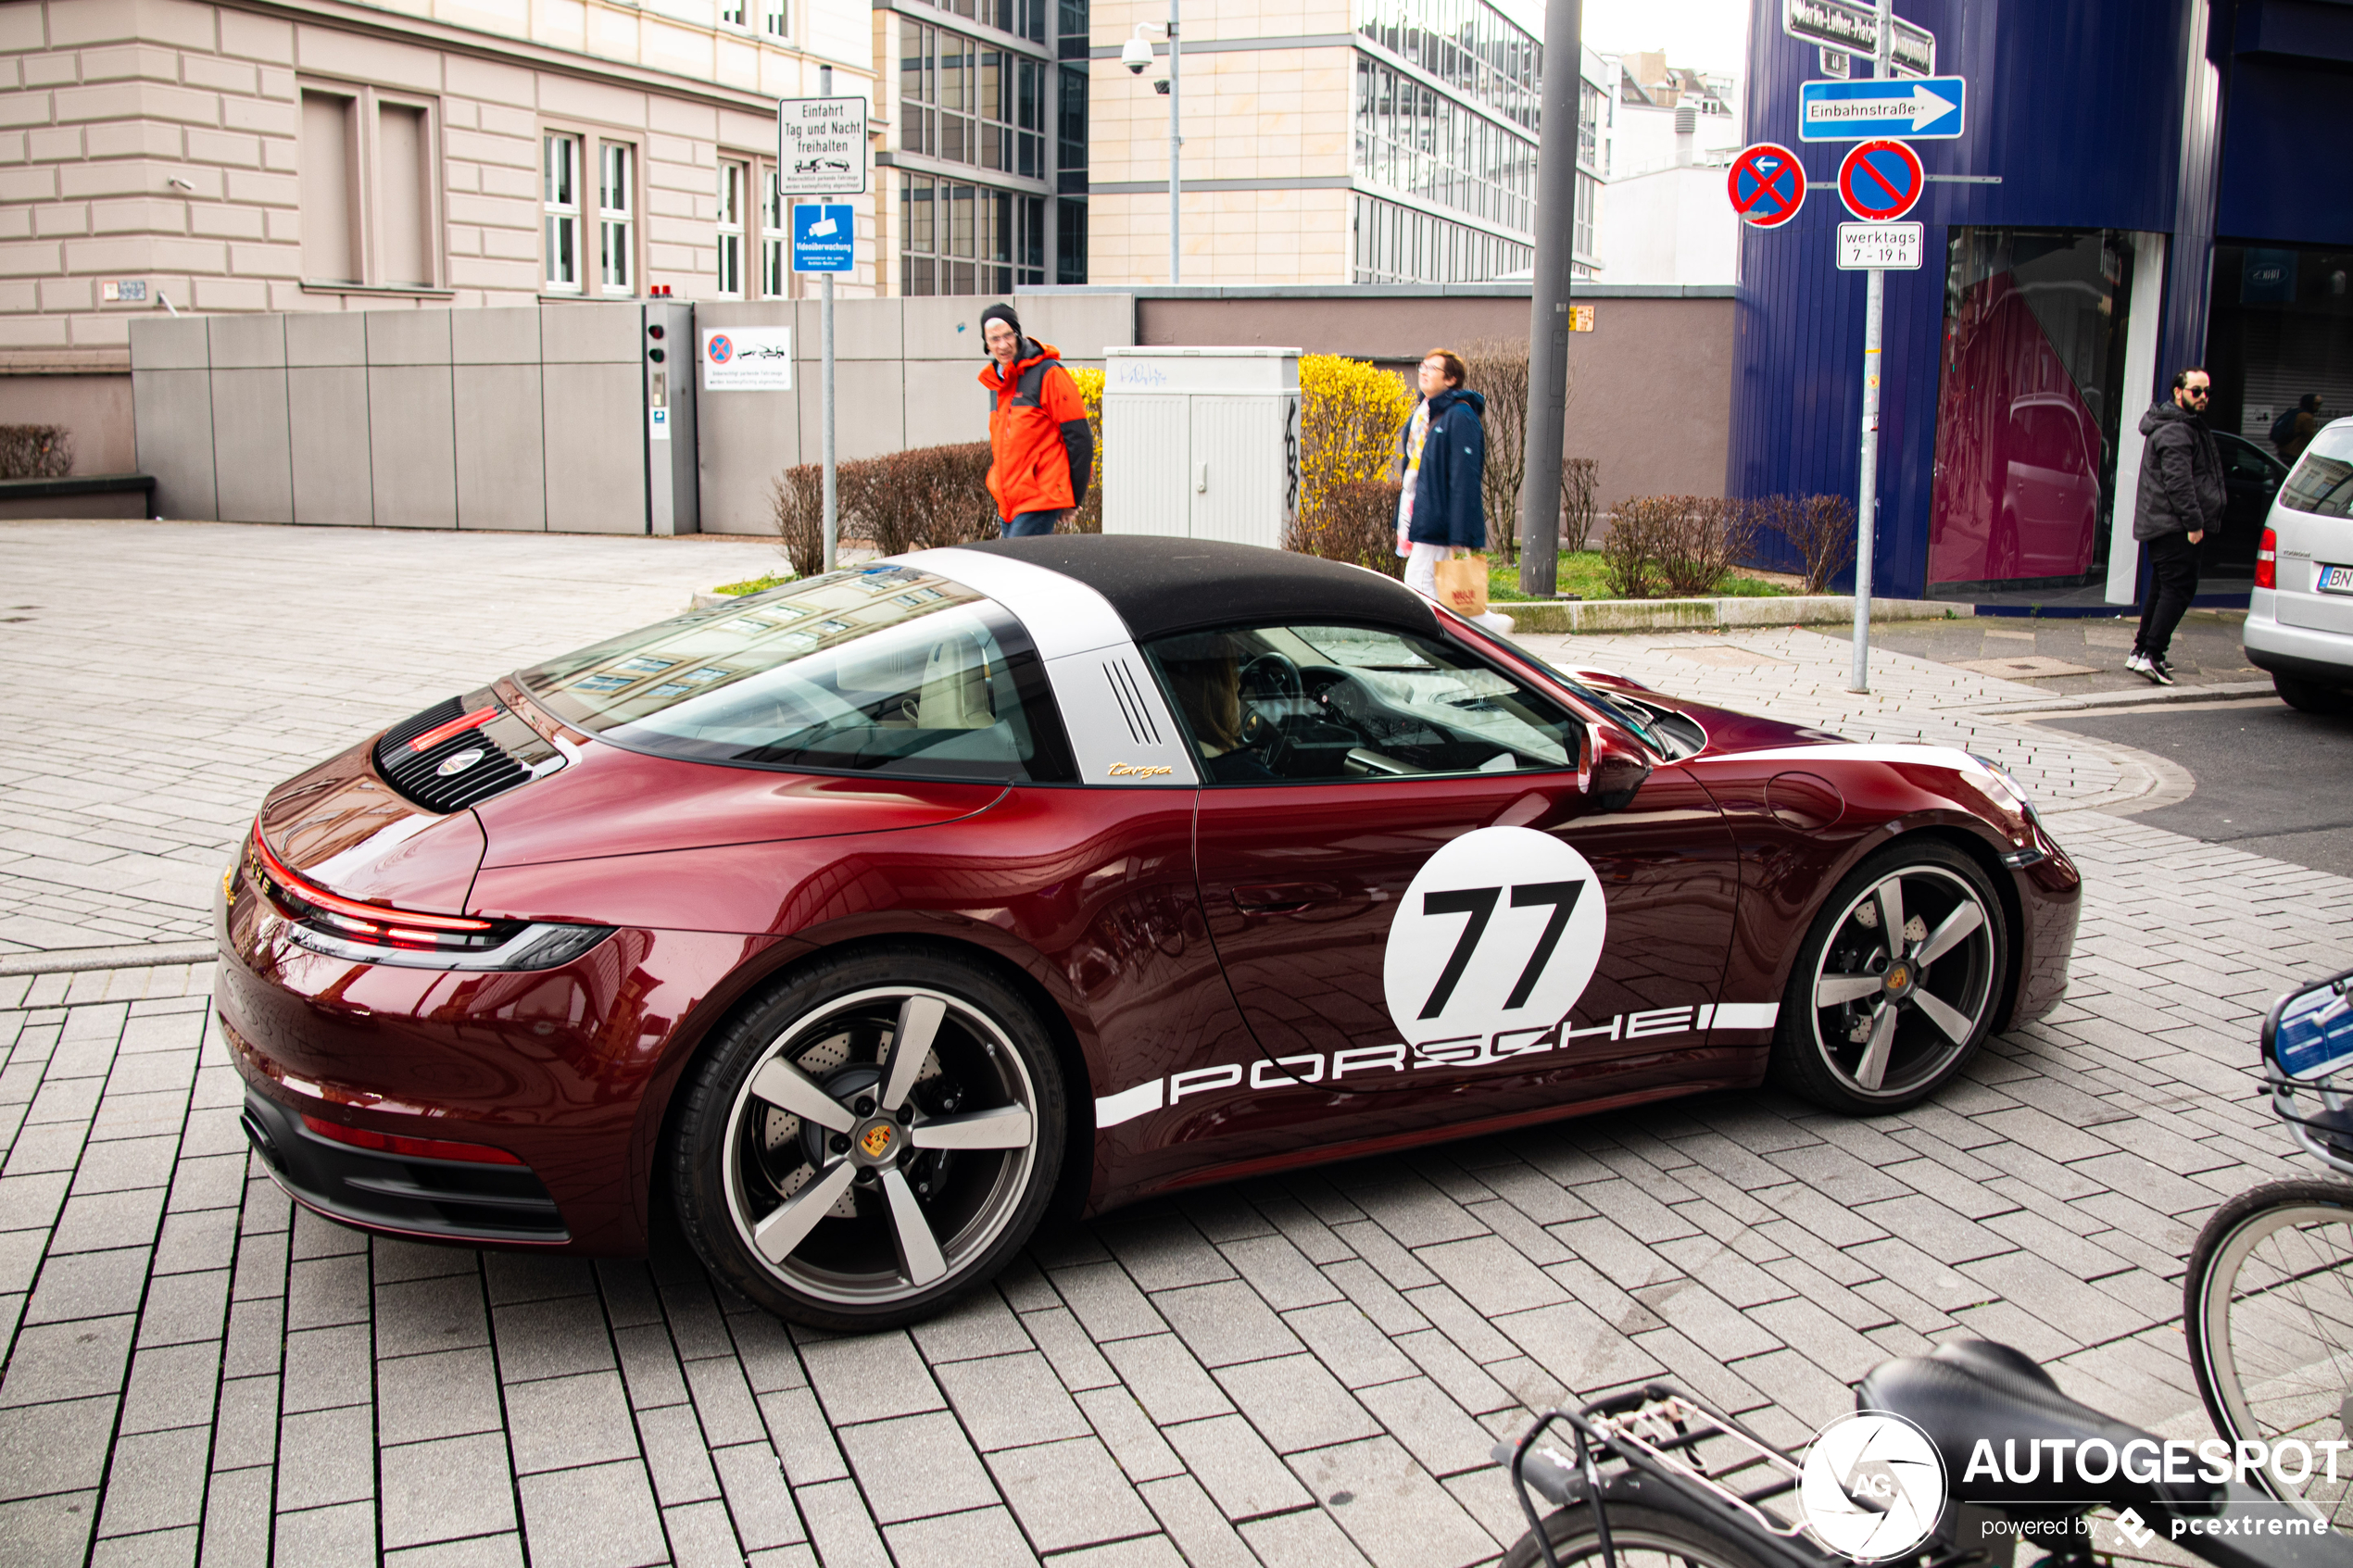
{"points": [[1900, 981], [879, 1147]]}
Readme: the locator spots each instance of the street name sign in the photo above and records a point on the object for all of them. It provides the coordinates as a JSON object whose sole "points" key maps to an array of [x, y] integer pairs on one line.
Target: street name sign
{"points": [[1894, 247], [821, 146], [1880, 181], [824, 237], [1767, 184], [1928, 109], [1853, 30]]}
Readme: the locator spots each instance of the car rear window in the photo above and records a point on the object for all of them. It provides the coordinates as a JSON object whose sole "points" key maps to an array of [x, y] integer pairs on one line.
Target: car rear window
{"points": [[2322, 483], [888, 669]]}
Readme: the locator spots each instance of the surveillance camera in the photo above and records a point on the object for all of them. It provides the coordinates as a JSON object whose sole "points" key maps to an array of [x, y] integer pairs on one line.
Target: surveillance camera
{"points": [[1135, 55]]}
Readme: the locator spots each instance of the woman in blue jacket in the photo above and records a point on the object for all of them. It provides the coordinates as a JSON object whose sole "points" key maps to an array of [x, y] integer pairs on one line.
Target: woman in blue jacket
{"points": [[1439, 511]]}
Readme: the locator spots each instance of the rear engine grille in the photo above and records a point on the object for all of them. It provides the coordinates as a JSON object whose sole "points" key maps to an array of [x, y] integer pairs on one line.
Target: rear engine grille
{"points": [[461, 751]]}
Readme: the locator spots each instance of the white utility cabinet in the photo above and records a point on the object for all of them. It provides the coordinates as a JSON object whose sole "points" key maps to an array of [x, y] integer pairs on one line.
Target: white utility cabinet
{"points": [[1201, 442]]}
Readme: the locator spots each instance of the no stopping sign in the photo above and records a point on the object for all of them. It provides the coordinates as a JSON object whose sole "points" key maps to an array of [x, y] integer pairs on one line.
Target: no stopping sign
{"points": [[1767, 184]]}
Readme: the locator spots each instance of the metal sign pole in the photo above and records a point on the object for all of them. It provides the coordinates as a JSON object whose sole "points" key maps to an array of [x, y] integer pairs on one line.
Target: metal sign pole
{"points": [[1867, 499], [825, 317]]}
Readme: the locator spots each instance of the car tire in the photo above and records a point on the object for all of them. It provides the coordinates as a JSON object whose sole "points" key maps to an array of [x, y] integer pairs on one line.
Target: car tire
{"points": [[2312, 697], [805, 1186], [1855, 1036]]}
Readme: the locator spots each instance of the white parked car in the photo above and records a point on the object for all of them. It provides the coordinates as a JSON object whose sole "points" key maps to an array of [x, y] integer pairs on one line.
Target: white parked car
{"points": [[2299, 621]]}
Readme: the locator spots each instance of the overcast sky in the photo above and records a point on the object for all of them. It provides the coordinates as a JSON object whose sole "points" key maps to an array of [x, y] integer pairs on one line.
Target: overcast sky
{"points": [[1709, 35]]}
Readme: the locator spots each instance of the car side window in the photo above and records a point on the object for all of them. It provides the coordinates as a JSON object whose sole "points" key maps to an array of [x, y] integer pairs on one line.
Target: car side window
{"points": [[1324, 704]]}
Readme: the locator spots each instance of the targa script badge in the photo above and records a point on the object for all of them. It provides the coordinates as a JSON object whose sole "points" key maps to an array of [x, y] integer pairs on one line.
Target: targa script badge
{"points": [[1131, 771]]}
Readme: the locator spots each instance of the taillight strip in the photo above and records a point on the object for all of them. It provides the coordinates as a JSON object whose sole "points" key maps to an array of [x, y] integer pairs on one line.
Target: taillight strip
{"points": [[418, 1148], [312, 893], [456, 726]]}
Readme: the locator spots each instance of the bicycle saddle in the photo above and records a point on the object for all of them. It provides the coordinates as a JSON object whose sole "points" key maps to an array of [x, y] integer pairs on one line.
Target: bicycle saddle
{"points": [[1971, 1391]]}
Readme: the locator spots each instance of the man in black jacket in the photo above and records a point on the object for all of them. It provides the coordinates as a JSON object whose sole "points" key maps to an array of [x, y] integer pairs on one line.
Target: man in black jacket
{"points": [[2181, 496]]}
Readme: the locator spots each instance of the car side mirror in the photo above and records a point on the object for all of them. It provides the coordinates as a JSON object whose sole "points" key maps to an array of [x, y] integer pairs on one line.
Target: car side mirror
{"points": [[2310, 1034], [1616, 770]]}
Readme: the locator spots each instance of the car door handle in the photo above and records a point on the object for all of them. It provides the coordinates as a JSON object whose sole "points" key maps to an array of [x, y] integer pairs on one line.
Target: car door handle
{"points": [[1282, 897]]}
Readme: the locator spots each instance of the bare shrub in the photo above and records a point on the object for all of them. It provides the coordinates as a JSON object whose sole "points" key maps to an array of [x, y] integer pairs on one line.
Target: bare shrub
{"points": [[1820, 529], [800, 501], [1498, 372], [926, 497], [1579, 477], [1629, 551], [35, 452], [1699, 538], [1356, 523]]}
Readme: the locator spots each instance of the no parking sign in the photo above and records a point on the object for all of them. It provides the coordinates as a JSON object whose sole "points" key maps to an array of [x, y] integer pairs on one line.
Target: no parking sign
{"points": [[1881, 181]]}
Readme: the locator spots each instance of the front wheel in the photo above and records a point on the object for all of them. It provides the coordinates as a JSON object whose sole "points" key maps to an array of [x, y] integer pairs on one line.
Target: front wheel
{"points": [[2267, 1305], [1897, 983], [876, 1135], [1643, 1537]]}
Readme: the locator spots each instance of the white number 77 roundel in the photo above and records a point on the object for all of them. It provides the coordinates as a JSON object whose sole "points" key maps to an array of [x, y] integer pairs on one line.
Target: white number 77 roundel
{"points": [[1499, 929]]}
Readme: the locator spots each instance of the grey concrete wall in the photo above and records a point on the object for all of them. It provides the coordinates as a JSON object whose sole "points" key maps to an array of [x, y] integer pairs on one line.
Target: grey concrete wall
{"points": [[904, 376], [1650, 386], [95, 408], [521, 418]]}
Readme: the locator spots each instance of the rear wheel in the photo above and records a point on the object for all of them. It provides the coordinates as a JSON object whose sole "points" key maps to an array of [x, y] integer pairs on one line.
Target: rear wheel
{"points": [[872, 1138], [2268, 1308], [1898, 984], [2312, 697]]}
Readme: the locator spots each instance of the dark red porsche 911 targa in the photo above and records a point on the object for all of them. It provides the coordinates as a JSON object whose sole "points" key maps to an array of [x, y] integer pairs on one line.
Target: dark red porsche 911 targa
{"points": [[856, 918]]}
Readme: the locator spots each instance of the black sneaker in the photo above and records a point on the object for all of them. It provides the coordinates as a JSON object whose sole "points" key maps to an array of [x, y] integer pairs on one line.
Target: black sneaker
{"points": [[2149, 670]]}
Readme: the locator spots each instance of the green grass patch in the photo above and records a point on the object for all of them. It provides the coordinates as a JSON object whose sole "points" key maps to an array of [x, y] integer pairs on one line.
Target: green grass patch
{"points": [[753, 584], [1580, 576]]}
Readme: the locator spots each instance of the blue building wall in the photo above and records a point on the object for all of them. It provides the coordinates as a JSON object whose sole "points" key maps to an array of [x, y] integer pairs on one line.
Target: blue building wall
{"points": [[2079, 106]]}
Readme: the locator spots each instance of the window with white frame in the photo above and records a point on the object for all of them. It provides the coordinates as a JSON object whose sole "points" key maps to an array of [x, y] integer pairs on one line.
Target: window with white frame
{"points": [[616, 207], [732, 12], [732, 179], [772, 18], [776, 279], [560, 201]]}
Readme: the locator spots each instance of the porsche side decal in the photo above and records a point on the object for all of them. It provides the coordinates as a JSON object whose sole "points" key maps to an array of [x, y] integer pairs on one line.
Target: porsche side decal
{"points": [[1300, 1072]]}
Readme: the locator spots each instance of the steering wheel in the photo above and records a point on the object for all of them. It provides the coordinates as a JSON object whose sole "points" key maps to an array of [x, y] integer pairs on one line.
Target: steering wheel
{"points": [[1285, 679]]}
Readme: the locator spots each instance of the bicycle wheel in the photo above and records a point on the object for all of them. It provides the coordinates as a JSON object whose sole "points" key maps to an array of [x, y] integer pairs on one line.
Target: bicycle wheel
{"points": [[2268, 1308], [1643, 1537]]}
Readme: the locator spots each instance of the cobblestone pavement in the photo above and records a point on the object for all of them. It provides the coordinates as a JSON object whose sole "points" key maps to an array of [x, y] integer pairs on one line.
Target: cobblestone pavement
{"points": [[161, 676], [1298, 1371], [2206, 652]]}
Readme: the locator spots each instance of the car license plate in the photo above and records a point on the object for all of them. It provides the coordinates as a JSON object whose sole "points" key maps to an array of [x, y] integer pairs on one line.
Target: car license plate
{"points": [[2335, 580]]}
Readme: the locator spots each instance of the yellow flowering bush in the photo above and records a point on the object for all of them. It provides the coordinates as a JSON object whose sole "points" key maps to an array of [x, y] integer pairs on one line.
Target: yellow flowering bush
{"points": [[1350, 413], [1088, 517]]}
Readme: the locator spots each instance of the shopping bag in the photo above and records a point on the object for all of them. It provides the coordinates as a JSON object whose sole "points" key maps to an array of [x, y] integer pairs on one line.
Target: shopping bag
{"points": [[1462, 584]]}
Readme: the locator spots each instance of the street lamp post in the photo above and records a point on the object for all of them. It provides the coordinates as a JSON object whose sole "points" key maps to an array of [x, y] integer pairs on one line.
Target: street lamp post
{"points": [[1135, 55]]}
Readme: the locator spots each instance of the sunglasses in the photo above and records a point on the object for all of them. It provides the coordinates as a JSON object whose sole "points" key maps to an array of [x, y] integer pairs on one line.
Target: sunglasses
{"points": [[2197, 391]]}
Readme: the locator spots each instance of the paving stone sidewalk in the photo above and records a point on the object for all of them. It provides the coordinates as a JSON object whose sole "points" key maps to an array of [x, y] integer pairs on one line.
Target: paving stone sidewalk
{"points": [[1297, 1371]]}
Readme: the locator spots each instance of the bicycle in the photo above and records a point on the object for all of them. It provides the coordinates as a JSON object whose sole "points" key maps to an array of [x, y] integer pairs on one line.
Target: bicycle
{"points": [[1659, 1477], [2267, 1302]]}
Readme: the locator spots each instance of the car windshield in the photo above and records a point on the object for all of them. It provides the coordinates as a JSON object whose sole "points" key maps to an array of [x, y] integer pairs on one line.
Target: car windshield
{"points": [[2322, 483], [888, 669]]}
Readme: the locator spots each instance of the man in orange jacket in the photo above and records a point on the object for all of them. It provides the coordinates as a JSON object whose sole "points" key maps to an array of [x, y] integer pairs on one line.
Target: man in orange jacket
{"points": [[1039, 446]]}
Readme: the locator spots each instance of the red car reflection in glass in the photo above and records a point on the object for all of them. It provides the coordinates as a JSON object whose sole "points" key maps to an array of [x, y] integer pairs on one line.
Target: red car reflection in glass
{"points": [[850, 924]]}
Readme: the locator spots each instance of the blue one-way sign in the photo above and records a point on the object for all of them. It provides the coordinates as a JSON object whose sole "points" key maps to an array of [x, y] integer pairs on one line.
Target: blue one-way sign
{"points": [[1926, 108]]}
